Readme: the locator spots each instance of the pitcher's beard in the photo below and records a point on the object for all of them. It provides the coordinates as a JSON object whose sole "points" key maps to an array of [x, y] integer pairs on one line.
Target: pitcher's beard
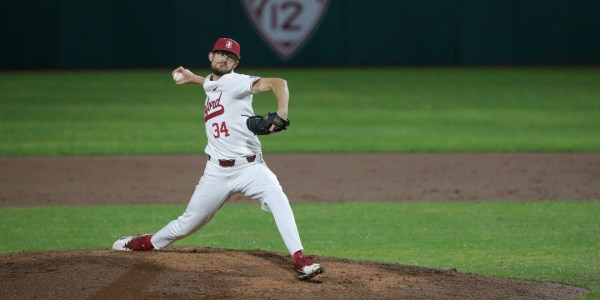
{"points": [[219, 71]]}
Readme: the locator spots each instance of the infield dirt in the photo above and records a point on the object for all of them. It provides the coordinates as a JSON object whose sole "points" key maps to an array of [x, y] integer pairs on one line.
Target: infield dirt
{"points": [[193, 273]]}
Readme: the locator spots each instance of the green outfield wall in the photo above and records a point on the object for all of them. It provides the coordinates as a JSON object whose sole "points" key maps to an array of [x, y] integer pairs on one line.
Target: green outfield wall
{"points": [[167, 33]]}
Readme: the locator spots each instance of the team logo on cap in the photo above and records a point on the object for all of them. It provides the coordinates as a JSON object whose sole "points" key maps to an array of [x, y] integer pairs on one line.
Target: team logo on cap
{"points": [[228, 44], [286, 25]]}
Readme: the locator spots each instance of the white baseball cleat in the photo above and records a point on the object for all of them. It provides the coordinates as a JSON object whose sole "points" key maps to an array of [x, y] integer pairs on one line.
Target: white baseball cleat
{"points": [[305, 266], [309, 272], [134, 243]]}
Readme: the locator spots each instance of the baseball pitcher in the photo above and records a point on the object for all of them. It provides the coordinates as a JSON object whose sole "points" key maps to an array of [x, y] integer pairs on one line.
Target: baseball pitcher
{"points": [[234, 159]]}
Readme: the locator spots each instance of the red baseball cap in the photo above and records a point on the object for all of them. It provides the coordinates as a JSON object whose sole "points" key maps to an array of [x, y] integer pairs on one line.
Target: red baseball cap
{"points": [[227, 44]]}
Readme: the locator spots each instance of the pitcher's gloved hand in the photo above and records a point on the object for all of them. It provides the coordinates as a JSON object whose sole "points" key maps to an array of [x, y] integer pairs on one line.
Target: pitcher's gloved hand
{"points": [[261, 125]]}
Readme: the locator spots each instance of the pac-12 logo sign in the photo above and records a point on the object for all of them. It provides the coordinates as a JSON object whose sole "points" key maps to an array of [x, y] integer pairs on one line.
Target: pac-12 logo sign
{"points": [[286, 25]]}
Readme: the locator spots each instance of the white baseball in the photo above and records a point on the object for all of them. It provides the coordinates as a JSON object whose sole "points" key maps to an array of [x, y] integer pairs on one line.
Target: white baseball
{"points": [[177, 76]]}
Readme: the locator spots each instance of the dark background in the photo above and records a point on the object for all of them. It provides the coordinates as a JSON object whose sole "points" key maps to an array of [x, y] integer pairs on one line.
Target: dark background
{"points": [[166, 33]]}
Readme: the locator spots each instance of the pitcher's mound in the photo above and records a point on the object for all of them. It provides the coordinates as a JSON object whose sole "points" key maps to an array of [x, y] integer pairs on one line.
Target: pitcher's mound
{"points": [[199, 273]]}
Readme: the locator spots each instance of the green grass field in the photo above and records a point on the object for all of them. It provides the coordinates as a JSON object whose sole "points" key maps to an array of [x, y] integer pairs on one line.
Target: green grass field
{"points": [[336, 110], [333, 110]]}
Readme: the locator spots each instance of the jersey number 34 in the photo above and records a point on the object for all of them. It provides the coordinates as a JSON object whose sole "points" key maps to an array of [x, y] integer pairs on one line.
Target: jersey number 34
{"points": [[220, 129]]}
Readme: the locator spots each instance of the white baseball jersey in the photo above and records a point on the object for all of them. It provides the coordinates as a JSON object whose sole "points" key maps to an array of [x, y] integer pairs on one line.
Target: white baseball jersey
{"points": [[227, 101]]}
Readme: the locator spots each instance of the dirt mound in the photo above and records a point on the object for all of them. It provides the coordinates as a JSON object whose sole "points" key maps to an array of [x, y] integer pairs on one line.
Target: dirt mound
{"points": [[195, 273]]}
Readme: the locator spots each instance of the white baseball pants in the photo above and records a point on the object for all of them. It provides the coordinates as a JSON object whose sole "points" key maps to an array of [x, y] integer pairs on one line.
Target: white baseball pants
{"points": [[254, 180]]}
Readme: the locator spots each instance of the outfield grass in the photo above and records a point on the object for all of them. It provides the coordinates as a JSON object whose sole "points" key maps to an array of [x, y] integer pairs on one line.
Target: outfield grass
{"points": [[541, 241], [332, 110]]}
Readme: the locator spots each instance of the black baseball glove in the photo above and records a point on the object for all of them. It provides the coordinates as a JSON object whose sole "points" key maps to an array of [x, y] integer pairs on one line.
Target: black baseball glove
{"points": [[261, 125]]}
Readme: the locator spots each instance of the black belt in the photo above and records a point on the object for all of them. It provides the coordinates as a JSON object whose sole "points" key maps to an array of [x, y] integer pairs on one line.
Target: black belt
{"points": [[231, 162]]}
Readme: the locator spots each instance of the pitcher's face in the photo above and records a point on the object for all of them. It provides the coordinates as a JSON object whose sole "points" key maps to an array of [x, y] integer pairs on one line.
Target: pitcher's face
{"points": [[222, 62]]}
